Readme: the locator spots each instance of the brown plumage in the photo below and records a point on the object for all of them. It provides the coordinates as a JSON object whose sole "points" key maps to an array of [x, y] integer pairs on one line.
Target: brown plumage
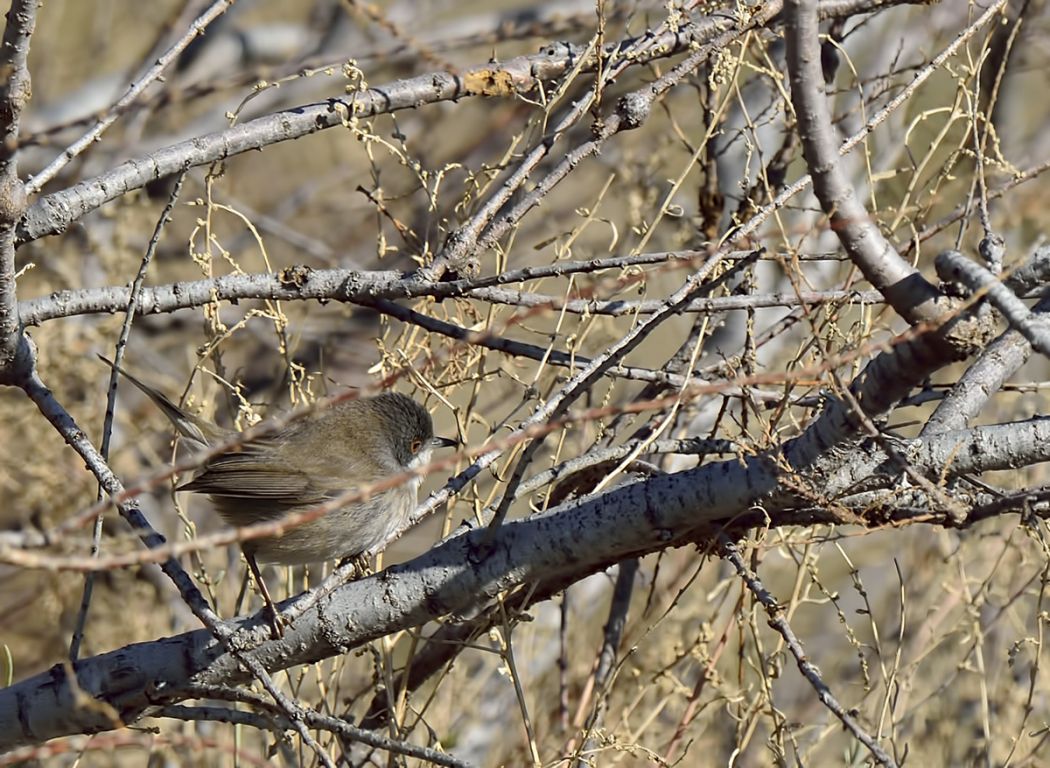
{"points": [[308, 462]]}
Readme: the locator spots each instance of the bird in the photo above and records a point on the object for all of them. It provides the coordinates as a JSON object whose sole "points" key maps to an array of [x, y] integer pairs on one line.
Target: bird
{"points": [[308, 462]]}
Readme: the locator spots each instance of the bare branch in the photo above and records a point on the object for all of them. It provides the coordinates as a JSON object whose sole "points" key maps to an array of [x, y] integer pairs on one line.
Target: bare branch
{"points": [[303, 284], [55, 212], [15, 90], [37, 182], [953, 266], [902, 285], [805, 666]]}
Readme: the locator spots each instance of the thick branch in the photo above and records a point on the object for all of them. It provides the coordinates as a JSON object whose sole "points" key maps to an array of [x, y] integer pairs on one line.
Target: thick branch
{"points": [[905, 289], [14, 95], [578, 538]]}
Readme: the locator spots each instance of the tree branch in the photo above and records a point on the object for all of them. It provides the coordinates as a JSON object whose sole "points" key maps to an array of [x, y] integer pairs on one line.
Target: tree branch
{"points": [[135, 90], [15, 90], [518, 76], [577, 538]]}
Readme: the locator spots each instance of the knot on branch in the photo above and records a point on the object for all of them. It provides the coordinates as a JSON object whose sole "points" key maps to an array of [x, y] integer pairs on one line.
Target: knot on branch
{"points": [[12, 201], [966, 334], [17, 361], [992, 248], [562, 50], [633, 109], [295, 276], [985, 286]]}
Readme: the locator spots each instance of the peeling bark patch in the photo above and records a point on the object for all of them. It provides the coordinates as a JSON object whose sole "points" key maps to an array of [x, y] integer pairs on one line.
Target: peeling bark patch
{"points": [[490, 82]]}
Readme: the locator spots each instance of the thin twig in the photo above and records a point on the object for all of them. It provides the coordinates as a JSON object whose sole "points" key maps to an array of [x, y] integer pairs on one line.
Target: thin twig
{"points": [[111, 398], [521, 75], [807, 668], [111, 115]]}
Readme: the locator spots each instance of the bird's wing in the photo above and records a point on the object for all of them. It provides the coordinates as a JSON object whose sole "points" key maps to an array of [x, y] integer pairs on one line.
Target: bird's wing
{"points": [[252, 475]]}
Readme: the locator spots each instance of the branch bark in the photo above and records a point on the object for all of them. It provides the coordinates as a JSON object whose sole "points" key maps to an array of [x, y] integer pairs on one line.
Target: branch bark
{"points": [[569, 542], [15, 90]]}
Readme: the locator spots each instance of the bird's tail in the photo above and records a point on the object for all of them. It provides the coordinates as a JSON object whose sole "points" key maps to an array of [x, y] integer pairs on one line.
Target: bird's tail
{"points": [[189, 426]]}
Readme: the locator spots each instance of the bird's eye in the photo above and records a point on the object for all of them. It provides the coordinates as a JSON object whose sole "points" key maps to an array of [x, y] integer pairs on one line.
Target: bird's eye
{"points": [[415, 446]]}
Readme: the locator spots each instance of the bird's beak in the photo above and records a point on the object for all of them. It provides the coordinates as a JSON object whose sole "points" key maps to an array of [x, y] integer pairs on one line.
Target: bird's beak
{"points": [[444, 442]]}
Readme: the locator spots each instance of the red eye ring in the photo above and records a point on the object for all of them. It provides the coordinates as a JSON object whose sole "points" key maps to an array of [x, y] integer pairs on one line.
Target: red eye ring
{"points": [[415, 445]]}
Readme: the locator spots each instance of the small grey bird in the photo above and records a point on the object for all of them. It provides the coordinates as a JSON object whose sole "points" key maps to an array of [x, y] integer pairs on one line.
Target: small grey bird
{"points": [[308, 462]]}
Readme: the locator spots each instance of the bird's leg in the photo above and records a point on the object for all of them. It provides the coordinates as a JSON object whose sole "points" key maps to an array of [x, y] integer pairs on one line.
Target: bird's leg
{"points": [[276, 622], [242, 594], [362, 564]]}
